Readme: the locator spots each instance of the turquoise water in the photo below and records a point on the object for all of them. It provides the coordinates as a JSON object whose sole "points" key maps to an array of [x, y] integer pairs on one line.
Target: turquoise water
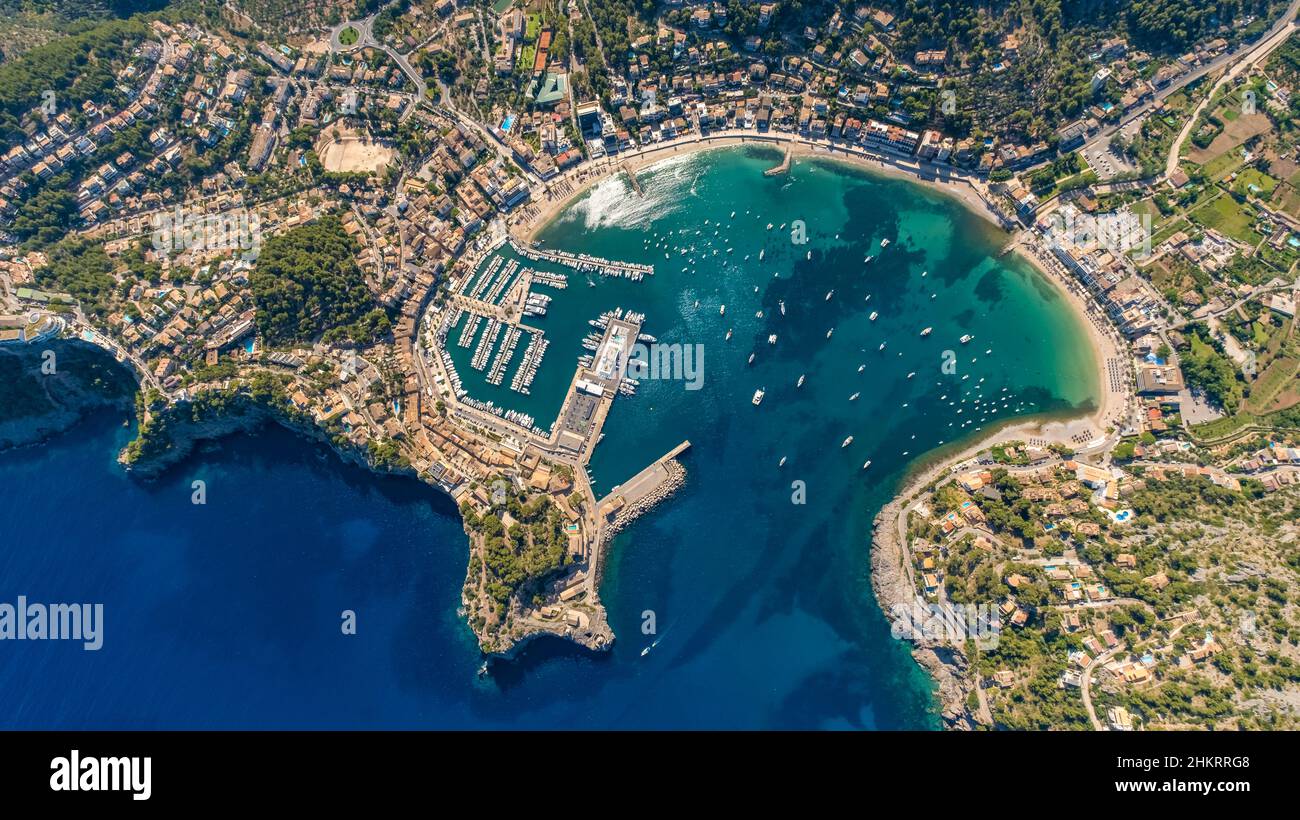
{"points": [[228, 615]]}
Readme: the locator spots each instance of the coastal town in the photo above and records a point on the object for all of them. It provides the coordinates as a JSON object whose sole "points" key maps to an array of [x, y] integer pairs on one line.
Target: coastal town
{"points": [[331, 223]]}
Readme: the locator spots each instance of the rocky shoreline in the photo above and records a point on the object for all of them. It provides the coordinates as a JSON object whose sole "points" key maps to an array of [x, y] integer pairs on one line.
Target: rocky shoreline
{"points": [[676, 478], [946, 665], [84, 381], [184, 435]]}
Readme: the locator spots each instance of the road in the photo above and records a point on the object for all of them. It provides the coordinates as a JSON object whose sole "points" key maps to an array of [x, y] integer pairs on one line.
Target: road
{"points": [[1276, 37], [1086, 685], [1227, 58], [366, 39]]}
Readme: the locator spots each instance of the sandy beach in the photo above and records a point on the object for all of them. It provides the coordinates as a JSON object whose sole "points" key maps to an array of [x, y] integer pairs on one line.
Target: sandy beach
{"points": [[565, 188]]}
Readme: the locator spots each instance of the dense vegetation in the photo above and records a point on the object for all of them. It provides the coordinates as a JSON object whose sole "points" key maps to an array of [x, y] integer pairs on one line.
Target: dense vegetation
{"points": [[531, 549], [76, 68], [307, 285], [1206, 367], [83, 270]]}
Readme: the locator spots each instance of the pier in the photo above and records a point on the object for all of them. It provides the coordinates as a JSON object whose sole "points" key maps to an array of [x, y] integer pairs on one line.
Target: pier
{"points": [[631, 177], [642, 487], [782, 168], [585, 262]]}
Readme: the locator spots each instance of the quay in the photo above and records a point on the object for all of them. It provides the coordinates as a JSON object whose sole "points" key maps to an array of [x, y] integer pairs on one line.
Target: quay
{"points": [[592, 391]]}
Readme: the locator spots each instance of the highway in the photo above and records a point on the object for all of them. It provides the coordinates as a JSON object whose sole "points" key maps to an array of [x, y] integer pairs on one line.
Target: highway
{"points": [[1278, 35], [1227, 58]]}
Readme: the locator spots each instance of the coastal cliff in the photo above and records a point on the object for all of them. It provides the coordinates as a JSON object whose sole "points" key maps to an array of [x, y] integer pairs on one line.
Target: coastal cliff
{"points": [[947, 665], [48, 390], [169, 433]]}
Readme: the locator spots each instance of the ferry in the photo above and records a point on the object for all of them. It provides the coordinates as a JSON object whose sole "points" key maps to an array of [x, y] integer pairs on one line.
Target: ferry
{"points": [[854, 397], [801, 381], [966, 338], [722, 310], [758, 396], [847, 442], [927, 331], [873, 315]]}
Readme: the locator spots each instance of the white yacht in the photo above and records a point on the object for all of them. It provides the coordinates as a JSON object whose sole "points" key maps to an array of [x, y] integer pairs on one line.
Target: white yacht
{"points": [[801, 381], [846, 442], [927, 331], [758, 396]]}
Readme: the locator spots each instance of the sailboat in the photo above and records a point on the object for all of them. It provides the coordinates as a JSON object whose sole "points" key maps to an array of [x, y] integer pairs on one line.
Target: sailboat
{"points": [[782, 305], [781, 463], [829, 332], [751, 358], [800, 382], [728, 334], [829, 294], [866, 464], [846, 442], [854, 397], [927, 331]]}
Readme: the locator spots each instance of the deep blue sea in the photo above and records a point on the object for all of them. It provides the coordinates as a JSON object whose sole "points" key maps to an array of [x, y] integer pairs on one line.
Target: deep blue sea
{"points": [[227, 615]]}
